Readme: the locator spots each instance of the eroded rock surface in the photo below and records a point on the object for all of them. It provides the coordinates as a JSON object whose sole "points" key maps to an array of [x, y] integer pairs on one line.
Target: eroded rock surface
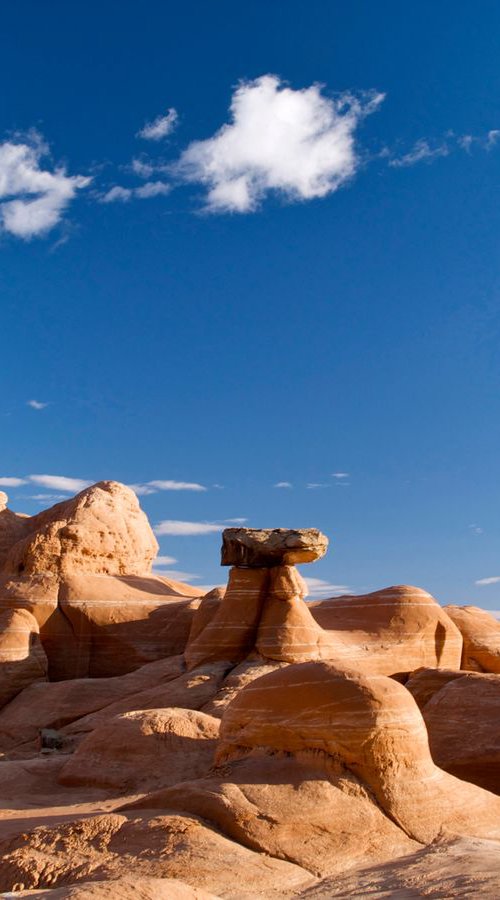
{"points": [[481, 637], [243, 744], [260, 547]]}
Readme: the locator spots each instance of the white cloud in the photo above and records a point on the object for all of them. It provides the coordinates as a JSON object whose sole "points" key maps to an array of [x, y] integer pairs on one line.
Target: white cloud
{"points": [[340, 474], [142, 169], [36, 404], [177, 576], [319, 588], [151, 189], [42, 498], [240, 521], [164, 561], [476, 529], [297, 143], [176, 485], [283, 484], [175, 527], [160, 127], [495, 579], [492, 138], [141, 489], [12, 482], [60, 482], [421, 150], [316, 485], [33, 199], [118, 194]]}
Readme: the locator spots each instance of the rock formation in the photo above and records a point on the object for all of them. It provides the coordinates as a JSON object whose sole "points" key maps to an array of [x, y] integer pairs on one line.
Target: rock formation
{"points": [[481, 636], [156, 743]]}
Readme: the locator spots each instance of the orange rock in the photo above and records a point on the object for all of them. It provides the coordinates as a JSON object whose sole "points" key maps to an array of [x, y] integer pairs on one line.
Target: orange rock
{"points": [[304, 808], [120, 623], [287, 630], [481, 636], [100, 531], [373, 725], [141, 750], [395, 630], [128, 888], [55, 704], [424, 683], [111, 846], [462, 722], [22, 659], [230, 634]]}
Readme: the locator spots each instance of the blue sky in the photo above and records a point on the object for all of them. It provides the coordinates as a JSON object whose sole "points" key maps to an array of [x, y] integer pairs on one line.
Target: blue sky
{"points": [[268, 303]]}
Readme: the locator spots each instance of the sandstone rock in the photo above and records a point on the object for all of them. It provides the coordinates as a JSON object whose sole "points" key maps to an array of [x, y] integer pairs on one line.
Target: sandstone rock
{"points": [[120, 623], [128, 888], [306, 809], [112, 846], [238, 677], [373, 725], [100, 626], [424, 683], [395, 630], [465, 868], [191, 690], [260, 547], [142, 750], [13, 526], [22, 659], [204, 613], [56, 704], [481, 637], [230, 634], [100, 531], [287, 631], [462, 721]]}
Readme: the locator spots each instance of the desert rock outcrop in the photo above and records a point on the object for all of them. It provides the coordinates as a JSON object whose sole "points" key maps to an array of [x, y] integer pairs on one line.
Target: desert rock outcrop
{"points": [[242, 744], [102, 531], [144, 749], [481, 637]]}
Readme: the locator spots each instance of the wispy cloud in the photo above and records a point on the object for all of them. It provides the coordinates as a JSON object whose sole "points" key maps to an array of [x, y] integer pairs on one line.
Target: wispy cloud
{"points": [[152, 487], [421, 151], [36, 404], [177, 576], [476, 529], [317, 485], [33, 198], [340, 475], [283, 484], [495, 579], [297, 143], [162, 561], [185, 529], [8, 481], [160, 127], [119, 194], [60, 482], [168, 485], [318, 588], [42, 498]]}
